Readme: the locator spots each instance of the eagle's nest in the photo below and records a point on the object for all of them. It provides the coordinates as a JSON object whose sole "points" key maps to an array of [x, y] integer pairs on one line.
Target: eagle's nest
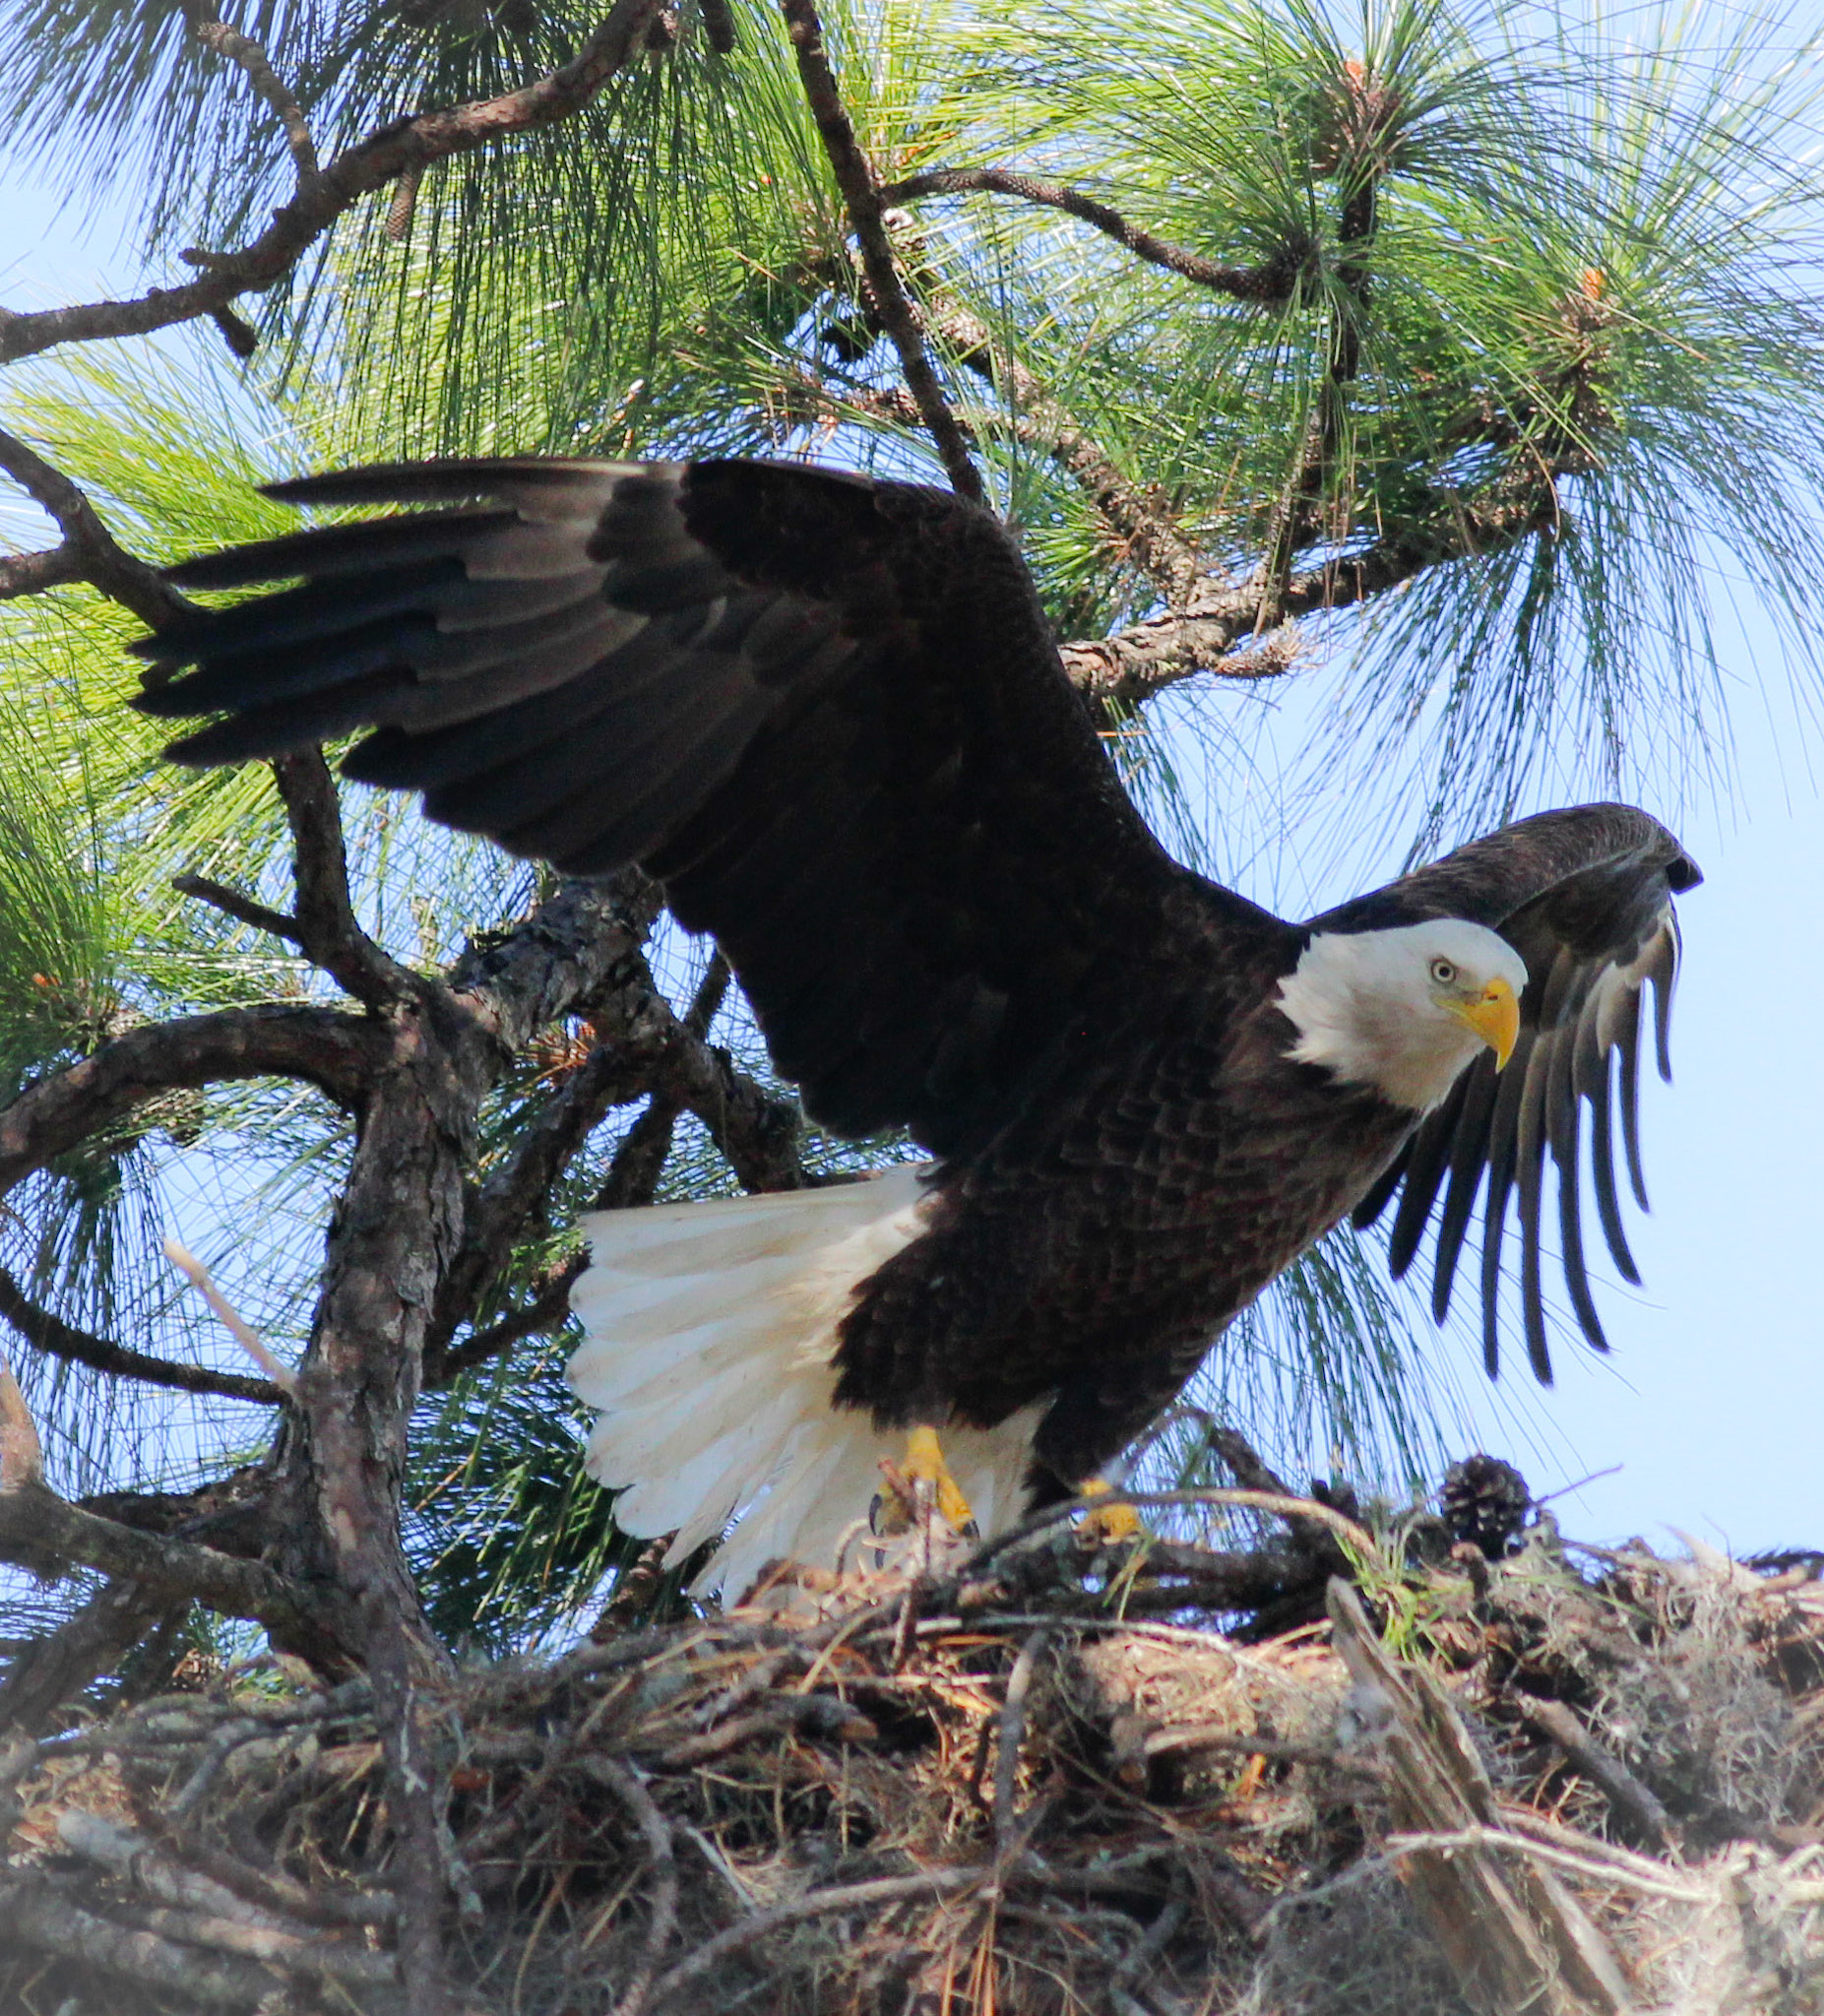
{"points": [[1566, 1782]]}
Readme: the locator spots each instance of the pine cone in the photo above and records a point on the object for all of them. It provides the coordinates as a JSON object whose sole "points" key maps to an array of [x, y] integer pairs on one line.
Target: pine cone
{"points": [[1484, 1501]]}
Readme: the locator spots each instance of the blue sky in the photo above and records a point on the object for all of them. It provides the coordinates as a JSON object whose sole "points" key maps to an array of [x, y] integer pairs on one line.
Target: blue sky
{"points": [[1709, 1409]]}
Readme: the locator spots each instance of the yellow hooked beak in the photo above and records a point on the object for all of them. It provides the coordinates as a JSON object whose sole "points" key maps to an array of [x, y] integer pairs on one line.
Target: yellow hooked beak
{"points": [[1494, 1016]]}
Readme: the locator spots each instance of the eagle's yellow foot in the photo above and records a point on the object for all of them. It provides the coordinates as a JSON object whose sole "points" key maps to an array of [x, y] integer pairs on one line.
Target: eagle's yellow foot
{"points": [[922, 1476], [1106, 1525]]}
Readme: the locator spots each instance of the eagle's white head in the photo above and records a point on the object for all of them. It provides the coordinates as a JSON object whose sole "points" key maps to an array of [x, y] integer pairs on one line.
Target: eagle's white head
{"points": [[1405, 1010]]}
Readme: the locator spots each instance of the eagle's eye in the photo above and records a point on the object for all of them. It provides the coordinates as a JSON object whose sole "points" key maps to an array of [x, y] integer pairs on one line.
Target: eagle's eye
{"points": [[1443, 972]]}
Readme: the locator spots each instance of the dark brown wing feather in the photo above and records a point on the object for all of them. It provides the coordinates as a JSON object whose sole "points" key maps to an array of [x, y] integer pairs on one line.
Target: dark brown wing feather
{"points": [[827, 712], [1585, 897]]}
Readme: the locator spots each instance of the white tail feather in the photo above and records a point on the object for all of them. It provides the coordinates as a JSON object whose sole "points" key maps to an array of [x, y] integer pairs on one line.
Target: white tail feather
{"points": [[711, 1331]]}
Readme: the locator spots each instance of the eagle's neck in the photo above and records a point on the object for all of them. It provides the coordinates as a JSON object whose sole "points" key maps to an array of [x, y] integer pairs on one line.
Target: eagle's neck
{"points": [[1360, 1010]]}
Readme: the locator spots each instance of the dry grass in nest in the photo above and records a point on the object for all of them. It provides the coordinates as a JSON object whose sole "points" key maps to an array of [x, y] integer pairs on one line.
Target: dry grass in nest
{"points": [[994, 1795]]}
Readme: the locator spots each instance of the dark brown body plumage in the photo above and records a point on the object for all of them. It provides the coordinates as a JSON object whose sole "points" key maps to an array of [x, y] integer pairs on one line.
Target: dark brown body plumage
{"points": [[829, 714]]}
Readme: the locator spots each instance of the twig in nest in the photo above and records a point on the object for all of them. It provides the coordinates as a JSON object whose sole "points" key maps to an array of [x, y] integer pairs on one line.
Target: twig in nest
{"points": [[188, 1265], [862, 1897], [44, 1917], [1593, 1871], [906, 1630], [626, 1787], [227, 1740], [807, 1715], [1013, 1724], [197, 1909], [1624, 1791]]}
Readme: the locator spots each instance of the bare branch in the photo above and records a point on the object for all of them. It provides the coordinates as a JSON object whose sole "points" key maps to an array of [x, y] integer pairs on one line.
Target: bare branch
{"points": [[548, 1308], [854, 177], [332, 1050], [241, 49], [640, 1160], [607, 1077], [23, 574], [88, 552], [243, 1333], [1129, 667], [51, 1334], [644, 1045], [326, 927], [756, 1130], [356, 173], [34, 1522], [1269, 283], [231, 903]]}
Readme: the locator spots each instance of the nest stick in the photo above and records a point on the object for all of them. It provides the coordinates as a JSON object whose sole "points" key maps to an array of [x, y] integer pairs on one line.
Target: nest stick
{"points": [[1013, 1725]]}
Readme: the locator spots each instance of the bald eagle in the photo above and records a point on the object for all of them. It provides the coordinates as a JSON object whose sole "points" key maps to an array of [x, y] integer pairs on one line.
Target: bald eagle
{"points": [[827, 714]]}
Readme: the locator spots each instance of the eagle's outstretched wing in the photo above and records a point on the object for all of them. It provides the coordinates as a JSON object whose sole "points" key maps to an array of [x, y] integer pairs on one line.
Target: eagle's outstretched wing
{"points": [[825, 712], [1585, 897]]}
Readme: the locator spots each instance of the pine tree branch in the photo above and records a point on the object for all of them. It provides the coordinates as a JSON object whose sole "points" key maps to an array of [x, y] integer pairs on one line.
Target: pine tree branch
{"points": [[231, 903], [89, 551], [640, 1160], [548, 1308], [50, 1334], [1268, 284], [581, 942], [854, 178], [332, 1050], [214, 34], [356, 173], [35, 1523], [23, 574], [1146, 534], [755, 1129], [864, 1898], [326, 927], [496, 1216], [644, 1047], [1131, 666]]}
